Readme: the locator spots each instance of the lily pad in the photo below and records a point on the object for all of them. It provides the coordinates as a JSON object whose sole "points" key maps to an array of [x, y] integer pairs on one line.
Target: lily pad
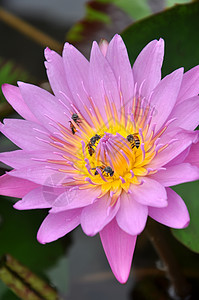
{"points": [[178, 26]]}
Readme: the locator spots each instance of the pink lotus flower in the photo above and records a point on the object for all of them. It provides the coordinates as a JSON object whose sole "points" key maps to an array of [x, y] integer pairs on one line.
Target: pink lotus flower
{"points": [[104, 149]]}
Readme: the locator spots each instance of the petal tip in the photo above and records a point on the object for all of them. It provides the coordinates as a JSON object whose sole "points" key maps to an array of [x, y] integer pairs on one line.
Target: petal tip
{"points": [[4, 86], [20, 83], [67, 46], [122, 279], [178, 72], [40, 237], [17, 206], [47, 50], [186, 224], [117, 37], [47, 53], [40, 240], [103, 45], [161, 41], [94, 44]]}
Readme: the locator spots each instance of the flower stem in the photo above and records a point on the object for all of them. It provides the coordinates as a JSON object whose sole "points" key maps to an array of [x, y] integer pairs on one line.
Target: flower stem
{"points": [[157, 237], [24, 283]]}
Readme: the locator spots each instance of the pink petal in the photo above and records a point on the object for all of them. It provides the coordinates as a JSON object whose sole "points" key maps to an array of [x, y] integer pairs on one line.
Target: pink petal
{"points": [[13, 96], [26, 134], [43, 175], [186, 114], [175, 215], [57, 225], [21, 159], [190, 84], [132, 215], [177, 174], [13, 158], [97, 215], [193, 156], [15, 187], [150, 193], [46, 107], [56, 75], [76, 70], [117, 56], [74, 198], [102, 81], [179, 158], [119, 247], [164, 97], [33, 200], [184, 139], [147, 67], [103, 45]]}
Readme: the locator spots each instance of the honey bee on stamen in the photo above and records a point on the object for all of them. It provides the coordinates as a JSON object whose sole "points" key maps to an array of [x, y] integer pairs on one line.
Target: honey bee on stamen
{"points": [[106, 170], [77, 120], [92, 142], [72, 127], [94, 139], [134, 140], [91, 150]]}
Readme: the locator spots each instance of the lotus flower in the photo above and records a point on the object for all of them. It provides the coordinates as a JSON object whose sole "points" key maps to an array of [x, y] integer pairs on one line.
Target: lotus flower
{"points": [[104, 149]]}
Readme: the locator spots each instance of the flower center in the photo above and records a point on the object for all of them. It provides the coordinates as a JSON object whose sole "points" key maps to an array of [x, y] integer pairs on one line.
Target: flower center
{"points": [[114, 151]]}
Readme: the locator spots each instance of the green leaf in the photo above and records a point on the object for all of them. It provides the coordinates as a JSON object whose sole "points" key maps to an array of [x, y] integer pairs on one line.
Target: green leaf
{"points": [[173, 2], [21, 228], [178, 26], [190, 235], [18, 230], [93, 15], [136, 9]]}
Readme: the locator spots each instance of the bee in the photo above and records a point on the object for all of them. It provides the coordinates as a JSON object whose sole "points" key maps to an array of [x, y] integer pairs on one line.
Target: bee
{"points": [[134, 140], [106, 170], [91, 150], [92, 142], [72, 127], [77, 120], [94, 139]]}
